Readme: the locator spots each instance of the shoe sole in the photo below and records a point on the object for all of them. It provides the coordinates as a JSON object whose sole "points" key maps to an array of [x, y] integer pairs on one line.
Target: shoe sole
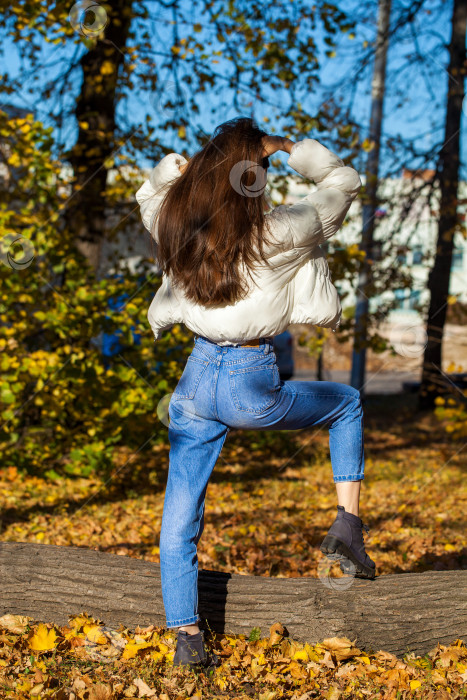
{"points": [[209, 664], [197, 666], [338, 551]]}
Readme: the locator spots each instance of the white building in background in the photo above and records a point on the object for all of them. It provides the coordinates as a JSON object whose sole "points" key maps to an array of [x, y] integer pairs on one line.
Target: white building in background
{"points": [[415, 233]]}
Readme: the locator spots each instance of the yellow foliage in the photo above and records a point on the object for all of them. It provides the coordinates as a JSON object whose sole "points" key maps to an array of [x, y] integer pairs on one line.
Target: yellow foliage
{"points": [[300, 655], [43, 638], [107, 68], [94, 634], [79, 621], [368, 145], [132, 648], [14, 160]]}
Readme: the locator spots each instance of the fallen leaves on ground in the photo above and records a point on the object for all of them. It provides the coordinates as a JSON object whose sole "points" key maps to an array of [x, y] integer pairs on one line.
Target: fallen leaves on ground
{"points": [[269, 505], [39, 660]]}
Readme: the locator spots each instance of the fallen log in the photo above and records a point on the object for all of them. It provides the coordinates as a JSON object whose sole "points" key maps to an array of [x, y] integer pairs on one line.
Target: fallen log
{"points": [[396, 613]]}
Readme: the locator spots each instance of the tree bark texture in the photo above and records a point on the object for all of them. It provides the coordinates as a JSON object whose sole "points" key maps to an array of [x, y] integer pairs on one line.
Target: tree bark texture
{"points": [[396, 613], [439, 278], [95, 114]]}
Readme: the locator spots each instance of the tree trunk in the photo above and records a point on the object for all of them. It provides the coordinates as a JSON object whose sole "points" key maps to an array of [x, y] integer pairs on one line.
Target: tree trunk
{"points": [[95, 114], [439, 278], [357, 375], [397, 613]]}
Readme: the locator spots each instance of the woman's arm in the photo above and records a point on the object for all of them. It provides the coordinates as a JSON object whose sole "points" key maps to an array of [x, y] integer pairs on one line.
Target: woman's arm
{"points": [[320, 214], [151, 193]]}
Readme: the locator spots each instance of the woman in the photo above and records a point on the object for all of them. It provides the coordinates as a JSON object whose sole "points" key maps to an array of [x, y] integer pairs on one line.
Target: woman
{"points": [[237, 274]]}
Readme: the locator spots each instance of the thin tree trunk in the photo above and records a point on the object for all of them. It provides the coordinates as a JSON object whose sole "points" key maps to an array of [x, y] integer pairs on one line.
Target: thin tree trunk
{"points": [[398, 613], [357, 378], [95, 113], [439, 278]]}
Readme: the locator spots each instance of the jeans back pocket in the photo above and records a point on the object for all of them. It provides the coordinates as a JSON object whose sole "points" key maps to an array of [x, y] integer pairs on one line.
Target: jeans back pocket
{"points": [[190, 379], [254, 389]]}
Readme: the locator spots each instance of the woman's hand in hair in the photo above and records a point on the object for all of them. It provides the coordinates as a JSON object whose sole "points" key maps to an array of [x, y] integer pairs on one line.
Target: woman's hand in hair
{"points": [[271, 144], [183, 167]]}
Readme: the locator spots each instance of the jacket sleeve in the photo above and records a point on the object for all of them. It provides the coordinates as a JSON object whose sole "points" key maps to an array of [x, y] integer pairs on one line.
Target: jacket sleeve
{"points": [[320, 214], [152, 192], [164, 310]]}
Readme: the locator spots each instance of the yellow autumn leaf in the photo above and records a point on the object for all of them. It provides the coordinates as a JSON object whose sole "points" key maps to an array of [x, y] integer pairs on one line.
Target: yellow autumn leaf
{"points": [[233, 641], [221, 682], [415, 684], [368, 145], [94, 634], [43, 638], [312, 655], [297, 671], [79, 621], [132, 648], [23, 687], [75, 638], [300, 655], [14, 160], [107, 68]]}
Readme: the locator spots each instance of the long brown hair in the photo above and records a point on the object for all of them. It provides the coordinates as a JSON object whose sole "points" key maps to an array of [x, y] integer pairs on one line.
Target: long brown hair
{"points": [[212, 218]]}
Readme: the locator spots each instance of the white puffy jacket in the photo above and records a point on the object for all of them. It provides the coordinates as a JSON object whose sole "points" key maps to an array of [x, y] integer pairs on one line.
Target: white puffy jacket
{"points": [[298, 288]]}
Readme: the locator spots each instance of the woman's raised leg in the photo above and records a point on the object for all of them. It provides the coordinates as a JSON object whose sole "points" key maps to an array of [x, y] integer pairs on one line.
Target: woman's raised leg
{"points": [[304, 404]]}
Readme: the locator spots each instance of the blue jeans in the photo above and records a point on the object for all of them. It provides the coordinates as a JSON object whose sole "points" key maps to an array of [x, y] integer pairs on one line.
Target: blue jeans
{"points": [[236, 387]]}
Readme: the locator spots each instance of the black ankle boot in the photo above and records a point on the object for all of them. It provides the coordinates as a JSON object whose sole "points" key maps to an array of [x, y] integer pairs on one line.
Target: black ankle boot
{"points": [[344, 542], [191, 651]]}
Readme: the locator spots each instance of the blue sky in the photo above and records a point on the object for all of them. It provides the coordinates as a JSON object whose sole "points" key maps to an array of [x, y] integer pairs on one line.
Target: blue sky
{"points": [[423, 88]]}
